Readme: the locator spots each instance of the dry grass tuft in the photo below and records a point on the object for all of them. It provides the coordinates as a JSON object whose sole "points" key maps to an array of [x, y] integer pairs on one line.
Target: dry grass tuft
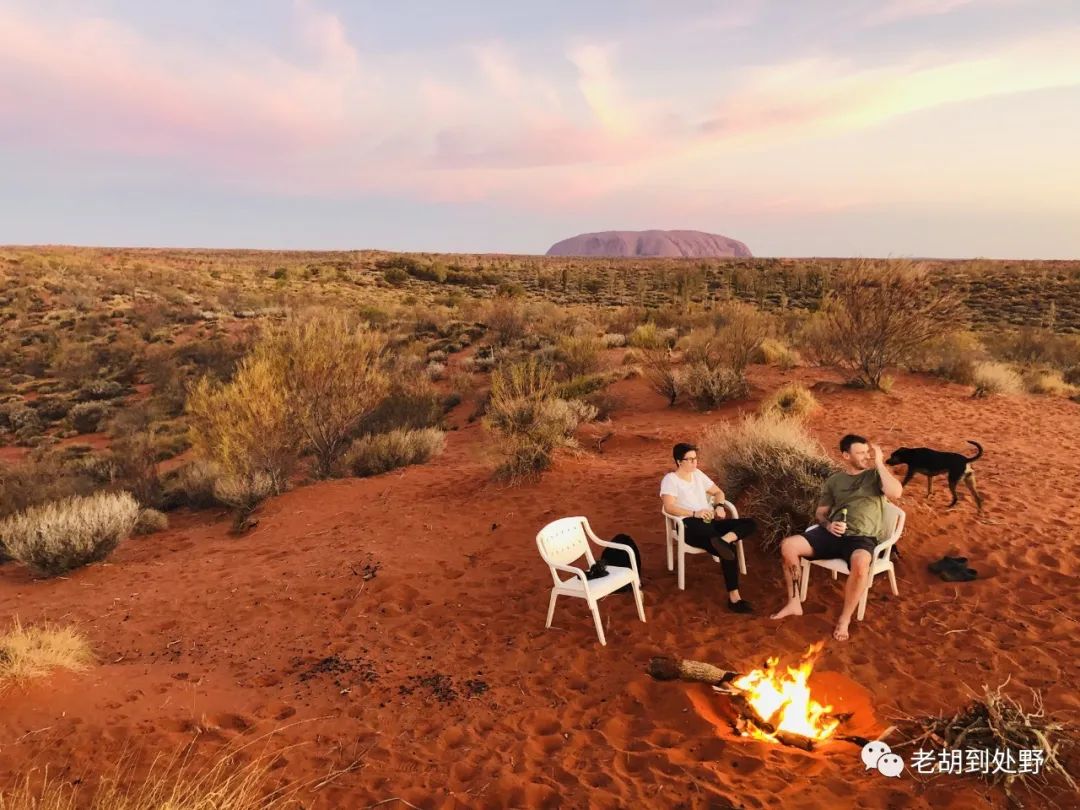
{"points": [[58, 537], [991, 377], [791, 400], [30, 652], [382, 452]]}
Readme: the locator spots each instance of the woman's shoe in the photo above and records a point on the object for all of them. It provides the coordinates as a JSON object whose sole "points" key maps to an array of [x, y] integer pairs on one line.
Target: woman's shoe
{"points": [[742, 606]]}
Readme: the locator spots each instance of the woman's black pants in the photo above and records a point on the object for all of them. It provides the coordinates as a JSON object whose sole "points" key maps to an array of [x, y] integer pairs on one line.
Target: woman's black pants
{"points": [[698, 533]]}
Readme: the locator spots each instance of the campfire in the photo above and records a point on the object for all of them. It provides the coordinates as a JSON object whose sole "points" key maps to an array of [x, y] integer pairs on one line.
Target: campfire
{"points": [[771, 704]]}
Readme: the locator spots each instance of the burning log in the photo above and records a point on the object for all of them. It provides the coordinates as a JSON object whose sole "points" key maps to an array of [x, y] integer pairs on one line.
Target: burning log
{"points": [[676, 669]]}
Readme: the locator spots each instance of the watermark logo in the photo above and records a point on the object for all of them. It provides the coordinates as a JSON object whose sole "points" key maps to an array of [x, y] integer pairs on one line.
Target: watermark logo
{"points": [[879, 755]]}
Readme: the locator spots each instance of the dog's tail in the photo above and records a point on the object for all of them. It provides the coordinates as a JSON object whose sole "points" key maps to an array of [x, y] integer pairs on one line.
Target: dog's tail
{"points": [[978, 447]]}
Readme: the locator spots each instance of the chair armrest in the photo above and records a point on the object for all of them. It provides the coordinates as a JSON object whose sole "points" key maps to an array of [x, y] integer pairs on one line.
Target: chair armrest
{"points": [[729, 507], [569, 569], [882, 549]]}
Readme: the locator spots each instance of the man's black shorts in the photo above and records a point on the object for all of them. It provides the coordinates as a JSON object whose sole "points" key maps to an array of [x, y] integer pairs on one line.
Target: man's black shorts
{"points": [[827, 546]]}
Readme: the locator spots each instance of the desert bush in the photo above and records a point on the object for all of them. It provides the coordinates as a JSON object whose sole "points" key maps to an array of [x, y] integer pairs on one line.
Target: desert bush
{"points": [[395, 276], [791, 400], [648, 336], [774, 465], [996, 378], [55, 538], [1032, 346], [86, 417], [191, 485], [435, 371], [51, 409], [613, 340], [34, 482], [244, 493], [531, 421], [739, 334], [247, 426], [30, 652], [333, 375], [579, 355], [583, 385], [952, 356], [378, 453], [877, 315], [505, 318], [701, 346], [707, 386], [100, 389], [773, 352], [412, 403], [1049, 382], [150, 521], [658, 368]]}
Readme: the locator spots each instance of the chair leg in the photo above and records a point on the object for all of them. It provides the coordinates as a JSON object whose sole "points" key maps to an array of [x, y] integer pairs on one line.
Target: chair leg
{"points": [[596, 619], [835, 574], [892, 582], [742, 557], [551, 608], [805, 581], [682, 569], [639, 600], [670, 541]]}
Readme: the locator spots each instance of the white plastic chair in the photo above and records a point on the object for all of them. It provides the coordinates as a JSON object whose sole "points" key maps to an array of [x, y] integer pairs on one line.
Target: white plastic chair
{"points": [[564, 541], [880, 560], [674, 535]]}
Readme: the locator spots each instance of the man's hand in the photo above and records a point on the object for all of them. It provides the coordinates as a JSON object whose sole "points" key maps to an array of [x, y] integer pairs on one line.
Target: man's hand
{"points": [[719, 513], [879, 457], [837, 527]]}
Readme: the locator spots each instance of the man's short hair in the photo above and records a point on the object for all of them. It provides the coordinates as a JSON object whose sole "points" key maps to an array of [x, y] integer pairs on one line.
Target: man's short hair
{"points": [[850, 439], [680, 450]]}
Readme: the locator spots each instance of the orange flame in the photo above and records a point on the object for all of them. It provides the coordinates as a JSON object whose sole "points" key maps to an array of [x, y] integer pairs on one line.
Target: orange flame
{"points": [[785, 701]]}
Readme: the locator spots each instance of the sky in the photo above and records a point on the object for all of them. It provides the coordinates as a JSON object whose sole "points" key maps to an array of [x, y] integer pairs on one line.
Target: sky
{"points": [[944, 128]]}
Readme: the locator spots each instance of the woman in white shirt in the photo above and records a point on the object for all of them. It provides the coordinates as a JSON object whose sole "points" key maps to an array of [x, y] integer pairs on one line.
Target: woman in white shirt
{"points": [[685, 494]]}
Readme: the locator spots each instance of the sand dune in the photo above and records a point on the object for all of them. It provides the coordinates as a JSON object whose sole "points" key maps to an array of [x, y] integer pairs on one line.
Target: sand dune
{"points": [[437, 678]]}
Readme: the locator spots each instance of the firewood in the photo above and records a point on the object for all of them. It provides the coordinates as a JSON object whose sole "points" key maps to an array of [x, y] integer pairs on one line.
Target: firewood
{"points": [[675, 669], [795, 740]]}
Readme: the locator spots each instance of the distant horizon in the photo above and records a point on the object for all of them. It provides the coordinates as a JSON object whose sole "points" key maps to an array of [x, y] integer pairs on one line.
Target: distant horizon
{"points": [[235, 248], [942, 128]]}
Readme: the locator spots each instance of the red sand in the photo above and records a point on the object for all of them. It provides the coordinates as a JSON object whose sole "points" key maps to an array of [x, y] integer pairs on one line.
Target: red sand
{"points": [[203, 635]]}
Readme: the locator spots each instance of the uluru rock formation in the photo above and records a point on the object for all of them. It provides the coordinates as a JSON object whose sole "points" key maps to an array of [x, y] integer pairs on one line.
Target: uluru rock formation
{"points": [[669, 244]]}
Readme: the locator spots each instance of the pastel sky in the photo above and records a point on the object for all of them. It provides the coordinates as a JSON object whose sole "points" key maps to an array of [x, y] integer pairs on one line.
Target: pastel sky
{"points": [[945, 128]]}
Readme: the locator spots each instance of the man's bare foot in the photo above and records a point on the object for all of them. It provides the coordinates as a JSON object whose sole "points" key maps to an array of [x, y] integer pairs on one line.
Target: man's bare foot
{"points": [[792, 608], [841, 631]]}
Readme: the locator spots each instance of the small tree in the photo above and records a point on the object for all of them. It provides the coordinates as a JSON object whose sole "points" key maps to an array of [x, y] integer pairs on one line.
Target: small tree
{"points": [[740, 332], [333, 374], [247, 425], [881, 314]]}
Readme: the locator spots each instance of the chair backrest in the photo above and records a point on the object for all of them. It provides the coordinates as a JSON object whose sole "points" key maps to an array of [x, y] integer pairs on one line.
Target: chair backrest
{"points": [[564, 540], [894, 520]]}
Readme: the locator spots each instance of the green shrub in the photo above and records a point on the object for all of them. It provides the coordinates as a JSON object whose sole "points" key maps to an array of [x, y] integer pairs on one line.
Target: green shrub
{"points": [[579, 355]]}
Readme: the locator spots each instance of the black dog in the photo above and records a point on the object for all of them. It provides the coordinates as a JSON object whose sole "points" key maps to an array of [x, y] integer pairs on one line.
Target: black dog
{"points": [[935, 462]]}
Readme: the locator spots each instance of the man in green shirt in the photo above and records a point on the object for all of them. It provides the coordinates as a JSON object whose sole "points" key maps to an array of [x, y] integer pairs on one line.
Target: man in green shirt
{"points": [[850, 516]]}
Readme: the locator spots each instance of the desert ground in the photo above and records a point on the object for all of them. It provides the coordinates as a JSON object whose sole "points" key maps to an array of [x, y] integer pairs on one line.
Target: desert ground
{"points": [[382, 638]]}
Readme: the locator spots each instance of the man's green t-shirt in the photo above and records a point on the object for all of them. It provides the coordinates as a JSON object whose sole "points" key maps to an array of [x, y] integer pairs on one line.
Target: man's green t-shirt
{"points": [[864, 498]]}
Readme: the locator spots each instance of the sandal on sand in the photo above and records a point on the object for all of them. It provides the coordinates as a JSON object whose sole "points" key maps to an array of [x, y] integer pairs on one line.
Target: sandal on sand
{"points": [[958, 573], [723, 549], [946, 563]]}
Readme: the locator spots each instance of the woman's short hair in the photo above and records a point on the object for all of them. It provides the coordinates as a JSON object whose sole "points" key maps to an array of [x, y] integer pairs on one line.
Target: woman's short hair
{"points": [[680, 450]]}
